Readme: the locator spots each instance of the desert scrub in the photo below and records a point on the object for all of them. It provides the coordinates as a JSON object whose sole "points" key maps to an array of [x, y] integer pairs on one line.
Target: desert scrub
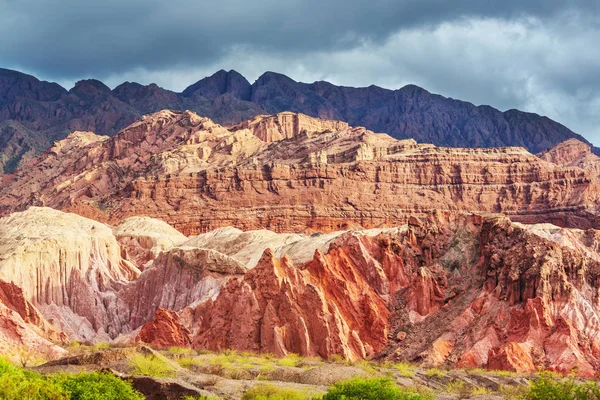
{"points": [[149, 365], [291, 360], [404, 369], [270, 392], [96, 386], [371, 389], [188, 362], [550, 387], [176, 350], [435, 373]]}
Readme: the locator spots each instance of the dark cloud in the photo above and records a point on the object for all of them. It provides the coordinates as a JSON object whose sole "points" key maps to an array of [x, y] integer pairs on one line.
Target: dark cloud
{"points": [[68, 38], [536, 55]]}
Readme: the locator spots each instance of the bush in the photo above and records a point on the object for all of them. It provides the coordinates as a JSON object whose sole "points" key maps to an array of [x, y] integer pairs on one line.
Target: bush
{"points": [[96, 386], [369, 389], [17, 383], [547, 387], [269, 392], [150, 365]]}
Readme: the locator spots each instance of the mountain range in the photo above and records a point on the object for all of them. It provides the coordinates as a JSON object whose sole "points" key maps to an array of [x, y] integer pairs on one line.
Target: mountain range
{"points": [[34, 113]]}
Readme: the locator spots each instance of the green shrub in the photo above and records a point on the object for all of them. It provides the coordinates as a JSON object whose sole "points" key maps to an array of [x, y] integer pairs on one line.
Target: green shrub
{"points": [[290, 360], [18, 383], [187, 362], [150, 365], [548, 387], [269, 392], [369, 389], [96, 386]]}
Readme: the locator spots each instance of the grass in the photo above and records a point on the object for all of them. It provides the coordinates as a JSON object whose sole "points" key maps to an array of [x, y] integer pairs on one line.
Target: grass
{"points": [[187, 362], [270, 392], [404, 369], [291, 360], [149, 365], [230, 365], [481, 391], [435, 373]]}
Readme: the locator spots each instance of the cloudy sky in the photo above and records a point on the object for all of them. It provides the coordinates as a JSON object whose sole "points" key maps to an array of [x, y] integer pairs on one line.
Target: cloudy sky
{"points": [[541, 56]]}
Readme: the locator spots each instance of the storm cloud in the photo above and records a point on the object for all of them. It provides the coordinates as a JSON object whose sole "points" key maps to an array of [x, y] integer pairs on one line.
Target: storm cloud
{"points": [[538, 56]]}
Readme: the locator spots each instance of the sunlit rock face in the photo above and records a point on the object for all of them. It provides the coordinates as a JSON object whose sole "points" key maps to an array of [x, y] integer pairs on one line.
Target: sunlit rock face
{"points": [[291, 234], [455, 289], [573, 153], [292, 173], [67, 266]]}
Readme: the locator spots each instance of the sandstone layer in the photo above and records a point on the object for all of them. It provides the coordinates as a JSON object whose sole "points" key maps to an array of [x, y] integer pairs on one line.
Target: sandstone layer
{"points": [[289, 172]]}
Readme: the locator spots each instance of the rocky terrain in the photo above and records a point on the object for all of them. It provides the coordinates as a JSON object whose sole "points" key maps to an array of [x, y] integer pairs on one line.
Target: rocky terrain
{"points": [[35, 113], [451, 290], [290, 236], [291, 173]]}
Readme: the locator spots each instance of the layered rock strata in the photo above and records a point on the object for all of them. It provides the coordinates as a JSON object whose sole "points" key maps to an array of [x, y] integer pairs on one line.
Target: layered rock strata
{"points": [[291, 173]]}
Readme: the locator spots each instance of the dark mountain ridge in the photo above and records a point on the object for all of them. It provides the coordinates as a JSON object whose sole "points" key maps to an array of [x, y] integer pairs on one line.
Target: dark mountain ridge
{"points": [[41, 112]]}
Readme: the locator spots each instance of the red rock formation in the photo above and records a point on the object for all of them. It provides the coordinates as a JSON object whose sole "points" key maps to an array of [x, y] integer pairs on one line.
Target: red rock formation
{"points": [[449, 289], [198, 176], [465, 291], [22, 325], [573, 153], [281, 309], [164, 331]]}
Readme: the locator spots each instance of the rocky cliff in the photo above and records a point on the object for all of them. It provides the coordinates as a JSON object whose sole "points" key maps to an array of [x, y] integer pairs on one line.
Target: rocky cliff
{"points": [[40, 112], [573, 153], [289, 172], [452, 289]]}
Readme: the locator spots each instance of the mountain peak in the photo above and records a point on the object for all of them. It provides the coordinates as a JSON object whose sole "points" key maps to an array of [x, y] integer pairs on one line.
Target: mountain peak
{"points": [[221, 82], [271, 76], [90, 88], [15, 84]]}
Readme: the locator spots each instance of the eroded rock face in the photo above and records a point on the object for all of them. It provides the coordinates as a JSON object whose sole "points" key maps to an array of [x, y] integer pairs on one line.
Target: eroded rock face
{"points": [[67, 266], [164, 331], [23, 330], [449, 289], [144, 238], [573, 153], [291, 173]]}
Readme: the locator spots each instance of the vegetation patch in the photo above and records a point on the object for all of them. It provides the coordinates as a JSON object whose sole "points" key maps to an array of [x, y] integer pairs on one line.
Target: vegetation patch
{"points": [[149, 365], [19, 383], [549, 387], [270, 392], [371, 389]]}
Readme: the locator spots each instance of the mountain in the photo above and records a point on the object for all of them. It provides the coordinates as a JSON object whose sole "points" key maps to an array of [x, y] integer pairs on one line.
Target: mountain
{"points": [[288, 234], [291, 173], [50, 112]]}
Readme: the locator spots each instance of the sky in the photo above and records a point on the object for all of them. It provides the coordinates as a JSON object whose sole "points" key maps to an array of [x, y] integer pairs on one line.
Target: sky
{"points": [[540, 56]]}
